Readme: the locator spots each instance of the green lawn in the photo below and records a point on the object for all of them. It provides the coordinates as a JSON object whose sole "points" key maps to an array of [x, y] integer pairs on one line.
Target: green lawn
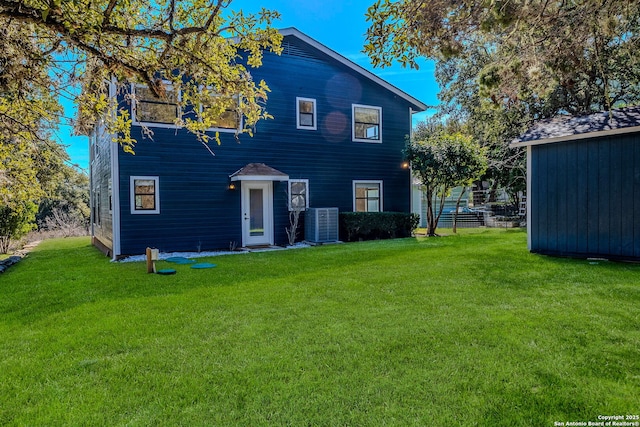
{"points": [[452, 331]]}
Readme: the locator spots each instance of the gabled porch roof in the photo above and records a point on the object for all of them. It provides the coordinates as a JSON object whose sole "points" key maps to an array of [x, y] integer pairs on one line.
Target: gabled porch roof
{"points": [[258, 172]]}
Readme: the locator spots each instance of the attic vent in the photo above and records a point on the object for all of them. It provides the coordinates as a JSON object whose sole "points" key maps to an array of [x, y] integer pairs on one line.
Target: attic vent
{"points": [[293, 50], [321, 225]]}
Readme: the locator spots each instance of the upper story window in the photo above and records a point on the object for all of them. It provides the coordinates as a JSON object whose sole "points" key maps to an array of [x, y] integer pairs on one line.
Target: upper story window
{"points": [[149, 109], [306, 113], [298, 194], [367, 196], [145, 195], [367, 123], [229, 120]]}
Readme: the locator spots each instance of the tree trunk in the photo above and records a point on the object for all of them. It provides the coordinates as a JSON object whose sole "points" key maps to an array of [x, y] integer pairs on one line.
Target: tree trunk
{"points": [[455, 214], [493, 192], [5, 243], [431, 224], [440, 208]]}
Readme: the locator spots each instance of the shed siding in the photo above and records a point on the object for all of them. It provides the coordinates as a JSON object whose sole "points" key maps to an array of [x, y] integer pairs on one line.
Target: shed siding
{"points": [[584, 198], [197, 211]]}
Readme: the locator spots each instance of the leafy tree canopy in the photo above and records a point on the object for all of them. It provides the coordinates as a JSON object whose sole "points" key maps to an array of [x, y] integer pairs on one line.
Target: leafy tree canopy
{"points": [[29, 172], [493, 125], [442, 161], [503, 64], [49, 47], [582, 52], [57, 49]]}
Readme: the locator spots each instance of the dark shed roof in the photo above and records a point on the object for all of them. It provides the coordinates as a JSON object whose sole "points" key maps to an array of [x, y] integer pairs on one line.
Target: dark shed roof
{"points": [[566, 128]]}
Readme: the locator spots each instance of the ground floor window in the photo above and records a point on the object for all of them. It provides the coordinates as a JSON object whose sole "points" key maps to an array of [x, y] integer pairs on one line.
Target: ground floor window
{"points": [[298, 194], [367, 196], [96, 207], [145, 196]]}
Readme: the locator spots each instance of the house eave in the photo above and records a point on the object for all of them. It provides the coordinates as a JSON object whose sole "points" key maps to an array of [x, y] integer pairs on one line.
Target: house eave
{"points": [[292, 31]]}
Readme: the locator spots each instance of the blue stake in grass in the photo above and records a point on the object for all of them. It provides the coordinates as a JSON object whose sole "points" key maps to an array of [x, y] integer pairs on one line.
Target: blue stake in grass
{"points": [[180, 260]]}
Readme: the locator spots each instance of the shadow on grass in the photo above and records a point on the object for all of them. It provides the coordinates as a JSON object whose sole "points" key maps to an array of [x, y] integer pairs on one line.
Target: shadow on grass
{"points": [[64, 273], [61, 274]]}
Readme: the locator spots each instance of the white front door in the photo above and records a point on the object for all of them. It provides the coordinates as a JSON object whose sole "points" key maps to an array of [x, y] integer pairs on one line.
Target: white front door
{"points": [[257, 213]]}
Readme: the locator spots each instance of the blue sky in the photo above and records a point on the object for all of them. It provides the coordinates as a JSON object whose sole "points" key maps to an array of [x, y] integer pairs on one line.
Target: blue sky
{"points": [[339, 25]]}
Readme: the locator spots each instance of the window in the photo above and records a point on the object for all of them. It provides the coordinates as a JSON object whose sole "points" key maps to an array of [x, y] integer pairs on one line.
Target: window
{"points": [[145, 197], [229, 120], [148, 109], [306, 113], [367, 123], [298, 194], [367, 196], [110, 196], [97, 219]]}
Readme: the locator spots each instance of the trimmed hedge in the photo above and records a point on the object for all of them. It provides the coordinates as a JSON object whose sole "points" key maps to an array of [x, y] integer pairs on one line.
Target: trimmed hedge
{"points": [[356, 226]]}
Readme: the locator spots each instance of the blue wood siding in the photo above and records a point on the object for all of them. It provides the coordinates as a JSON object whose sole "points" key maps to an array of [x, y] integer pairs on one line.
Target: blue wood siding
{"points": [[101, 216], [584, 197], [197, 211]]}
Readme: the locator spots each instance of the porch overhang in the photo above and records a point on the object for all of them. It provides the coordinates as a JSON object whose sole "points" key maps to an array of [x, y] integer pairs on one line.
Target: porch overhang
{"points": [[258, 172]]}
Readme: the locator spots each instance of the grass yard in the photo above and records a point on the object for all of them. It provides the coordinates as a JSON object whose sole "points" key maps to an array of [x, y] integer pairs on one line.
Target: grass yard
{"points": [[453, 331]]}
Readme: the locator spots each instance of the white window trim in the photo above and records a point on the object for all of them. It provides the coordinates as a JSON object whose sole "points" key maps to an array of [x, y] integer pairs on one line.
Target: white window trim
{"points": [[306, 201], [155, 211], [353, 124], [134, 102], [368, 181], [315, 115]]}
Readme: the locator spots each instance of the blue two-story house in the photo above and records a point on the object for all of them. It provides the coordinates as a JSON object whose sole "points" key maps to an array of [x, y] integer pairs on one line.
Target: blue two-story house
{"points": [[336, 140]]}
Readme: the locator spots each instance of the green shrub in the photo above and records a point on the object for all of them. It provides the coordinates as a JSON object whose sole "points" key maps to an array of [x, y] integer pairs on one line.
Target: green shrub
{"points": [[376, 225]]}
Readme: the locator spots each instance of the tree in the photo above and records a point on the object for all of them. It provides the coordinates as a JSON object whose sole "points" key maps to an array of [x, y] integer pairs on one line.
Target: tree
{"points": [[195, 45], [443, 161], [34, 174], [66, 205], [20, 189], [493, 125], [501, 65], [580, 52], [15, 222], [70, 48]]}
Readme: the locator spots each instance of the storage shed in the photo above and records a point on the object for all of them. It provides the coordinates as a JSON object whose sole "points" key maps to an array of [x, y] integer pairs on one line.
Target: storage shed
{"points": [[583, 185]]}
